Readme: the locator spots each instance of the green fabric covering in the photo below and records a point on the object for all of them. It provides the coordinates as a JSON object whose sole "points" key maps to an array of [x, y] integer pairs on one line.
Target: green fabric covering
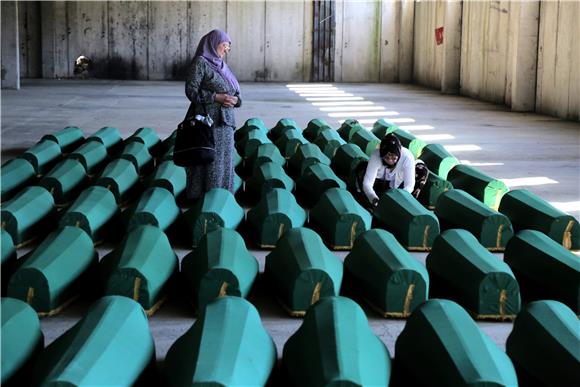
{"points": [[91, 211], [221, 265], [346, 159], [226, 346], [27, 213], [388, 276], [544, 268], [218, 208], [335, 346], [529, 211], [16, 174], [42, 156], [110, 346], [442, 346], [316, 179], [366, 141], [249, 125], [146, 136], [138, 155], [237, 159], [410, 142], [477, 184], [433, 188], [400, 213], [458, 209], [49, 276], [8, 249], [438, 160], [339, 219], [120, 177], [276, 213], [306, 154], [169, 141], [328, 141], [22, 338], [382, 127], [109, 136], [349, 127], [281, 127], [91, 155], [265, 177], [156, 207], [544, 345], [289, 141], [67, 138], [463, 270], [263, 154], [140, 268], [238, 182], [302, 270], [169, 176], [64, 180], [314, 127], [249, 141]]}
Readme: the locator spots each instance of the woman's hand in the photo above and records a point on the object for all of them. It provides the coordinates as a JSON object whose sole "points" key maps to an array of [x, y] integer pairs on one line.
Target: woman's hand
{"points": [[226, 100]]}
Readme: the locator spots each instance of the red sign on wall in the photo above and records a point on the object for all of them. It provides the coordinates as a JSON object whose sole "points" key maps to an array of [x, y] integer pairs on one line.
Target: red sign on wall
{"points": [[439, 35]]}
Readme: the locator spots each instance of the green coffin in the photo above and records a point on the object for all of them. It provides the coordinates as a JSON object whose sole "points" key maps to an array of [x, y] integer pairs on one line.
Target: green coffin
{"points": [[139, 156], [438, 159], [43, 156], [267, 176], [544, 268], [410, 142], [110, 346], [329, 141], [91, 212], [458, 209], [146, 136], [156, 207], [226, 346], [464, 271], [237, 159], [276, 213], [264, 153], [314, 128], [306, 154], [281, 127], [92, 154], [50, 276], [169, 176], [289, 141], [544, 345], [442, 346], [22, 340], [391, 280], [67, 138], [316, 179], [8, 249], [400, 213], [249, 125], [28, 214], [140, 268], [65, 180], [382, 127], [220, 265], [169, 142], [120, 177], [335, 346], [348, 128], [238, 182], [218, 208], [302, 270], [16, 174], [366, 141], [250, 141], [339, 219], [482, 187], [529, 211], [109, 136], [346, 159], [433, 188]]}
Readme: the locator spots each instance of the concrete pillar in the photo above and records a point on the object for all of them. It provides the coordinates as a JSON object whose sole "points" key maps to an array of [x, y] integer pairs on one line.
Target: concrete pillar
{"points": [[10, 44], [390, 19], [525, 59], [451, 48], [406, 37]]}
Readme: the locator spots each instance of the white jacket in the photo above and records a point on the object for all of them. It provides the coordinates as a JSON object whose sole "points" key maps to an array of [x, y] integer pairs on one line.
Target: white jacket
{"points": [[404, 172]]}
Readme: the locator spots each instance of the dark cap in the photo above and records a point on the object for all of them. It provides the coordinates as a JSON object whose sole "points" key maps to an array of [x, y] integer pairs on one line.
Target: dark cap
{"points": [[390, 144]]}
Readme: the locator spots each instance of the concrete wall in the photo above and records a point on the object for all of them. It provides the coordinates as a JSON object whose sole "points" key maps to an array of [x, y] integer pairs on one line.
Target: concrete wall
{"points": [[10, 70]]}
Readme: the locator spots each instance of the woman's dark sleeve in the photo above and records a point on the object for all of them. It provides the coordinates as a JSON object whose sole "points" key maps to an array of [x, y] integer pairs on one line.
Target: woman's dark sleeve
{"points": [[193, 89]]}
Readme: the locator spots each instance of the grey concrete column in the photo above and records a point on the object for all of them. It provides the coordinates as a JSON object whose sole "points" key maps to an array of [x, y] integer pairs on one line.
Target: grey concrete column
{"points": [[406, 36], [451, 48], [390, 19], [10, 43]]}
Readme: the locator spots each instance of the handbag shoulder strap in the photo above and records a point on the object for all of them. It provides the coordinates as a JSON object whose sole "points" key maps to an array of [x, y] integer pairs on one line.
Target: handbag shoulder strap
{"points": [[191, 110]]}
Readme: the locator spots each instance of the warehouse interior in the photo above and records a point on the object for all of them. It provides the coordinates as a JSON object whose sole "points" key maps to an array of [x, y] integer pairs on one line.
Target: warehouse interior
{"points": [[496, 83]]}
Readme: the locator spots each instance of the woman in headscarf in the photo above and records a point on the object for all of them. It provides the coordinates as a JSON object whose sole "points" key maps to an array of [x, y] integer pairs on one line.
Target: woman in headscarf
{"points": [[211, 84]]}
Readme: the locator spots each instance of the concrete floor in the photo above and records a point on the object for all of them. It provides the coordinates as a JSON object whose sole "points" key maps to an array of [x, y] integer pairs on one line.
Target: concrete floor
{"points": [[505, 145]]}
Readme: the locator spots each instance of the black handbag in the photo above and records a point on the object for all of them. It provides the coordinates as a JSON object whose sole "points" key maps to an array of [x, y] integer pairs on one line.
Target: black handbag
{"points": [[194, 140]]}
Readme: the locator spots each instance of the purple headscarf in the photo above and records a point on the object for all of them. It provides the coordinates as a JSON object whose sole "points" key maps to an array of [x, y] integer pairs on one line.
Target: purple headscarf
{"points": [[207, 48]]}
